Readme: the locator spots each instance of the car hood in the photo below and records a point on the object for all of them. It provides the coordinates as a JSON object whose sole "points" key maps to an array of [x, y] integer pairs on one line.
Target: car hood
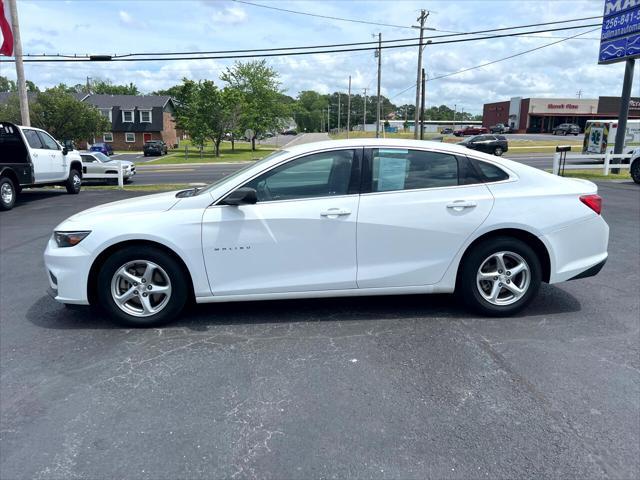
{"points": [[158, 202]]}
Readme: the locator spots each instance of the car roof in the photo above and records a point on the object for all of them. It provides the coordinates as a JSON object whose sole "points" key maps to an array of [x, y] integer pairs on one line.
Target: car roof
{"points": [[375, 142]]}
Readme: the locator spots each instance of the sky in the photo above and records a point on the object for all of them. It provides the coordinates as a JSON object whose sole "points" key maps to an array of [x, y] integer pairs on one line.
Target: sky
{"points": [[110, 27]]}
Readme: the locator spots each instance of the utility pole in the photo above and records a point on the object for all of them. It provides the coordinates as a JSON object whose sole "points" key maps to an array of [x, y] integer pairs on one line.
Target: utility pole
{"points": [[579, 93], [422, 18], [328, 116], [364, 112], [349, 108], [17, 53], [89, 84], [455, 107], [422, 107], [623, 114], [338, 112], [379, 55]]}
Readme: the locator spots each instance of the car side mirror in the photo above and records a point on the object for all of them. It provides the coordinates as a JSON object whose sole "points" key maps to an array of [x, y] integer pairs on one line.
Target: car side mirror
{"points": [[242, 196], [64, 150]]}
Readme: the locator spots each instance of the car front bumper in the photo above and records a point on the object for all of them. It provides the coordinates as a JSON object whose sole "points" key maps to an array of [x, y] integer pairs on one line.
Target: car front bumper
{"points": [[68, 272]]}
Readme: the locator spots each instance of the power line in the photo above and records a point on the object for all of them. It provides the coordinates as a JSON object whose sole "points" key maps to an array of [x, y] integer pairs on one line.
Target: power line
{"points": [[493, 61], [56, 59], [327, 17]]}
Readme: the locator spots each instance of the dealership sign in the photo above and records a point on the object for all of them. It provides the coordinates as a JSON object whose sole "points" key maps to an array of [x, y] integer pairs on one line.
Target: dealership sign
{"points": [[620, 37]]}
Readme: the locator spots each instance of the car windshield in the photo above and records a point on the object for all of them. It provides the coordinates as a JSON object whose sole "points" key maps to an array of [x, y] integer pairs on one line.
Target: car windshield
{"points": [[208, 188], [101, 157]]}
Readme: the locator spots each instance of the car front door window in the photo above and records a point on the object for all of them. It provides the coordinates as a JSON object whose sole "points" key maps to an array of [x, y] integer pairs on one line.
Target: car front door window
{"points": [[317, 175]]}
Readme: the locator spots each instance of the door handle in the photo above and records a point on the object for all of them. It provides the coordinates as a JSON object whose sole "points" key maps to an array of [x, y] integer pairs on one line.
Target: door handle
{"points": [[335, 212], [460, 205]]}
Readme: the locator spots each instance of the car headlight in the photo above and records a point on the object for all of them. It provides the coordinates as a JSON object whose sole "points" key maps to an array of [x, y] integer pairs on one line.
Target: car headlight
{"points": [[69, 239]]}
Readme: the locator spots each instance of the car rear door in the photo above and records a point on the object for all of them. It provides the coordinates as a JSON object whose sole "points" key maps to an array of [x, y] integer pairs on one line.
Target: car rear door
{"points": [[299, 236], [417, 209]]}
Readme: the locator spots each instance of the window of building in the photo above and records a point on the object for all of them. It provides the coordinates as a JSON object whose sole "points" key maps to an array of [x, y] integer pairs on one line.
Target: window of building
{"points": [[129, 137], [107, 137], [145, 116], [400, 169], [127, 116], [106, 112]]}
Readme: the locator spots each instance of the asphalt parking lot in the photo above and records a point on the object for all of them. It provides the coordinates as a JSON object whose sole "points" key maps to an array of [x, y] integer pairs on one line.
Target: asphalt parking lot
{"points": [[386, 387]]}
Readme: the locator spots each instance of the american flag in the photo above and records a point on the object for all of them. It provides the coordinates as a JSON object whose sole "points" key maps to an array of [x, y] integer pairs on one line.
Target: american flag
{"points": [[6, 33]]}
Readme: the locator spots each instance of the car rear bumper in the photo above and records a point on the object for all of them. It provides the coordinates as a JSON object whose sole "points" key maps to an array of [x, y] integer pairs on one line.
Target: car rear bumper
{"points": [[68, 273], [578, 250]]}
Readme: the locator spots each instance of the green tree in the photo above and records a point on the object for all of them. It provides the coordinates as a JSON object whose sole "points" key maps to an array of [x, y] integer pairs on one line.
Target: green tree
{"points": [[260, 89], [10, 111], [66, 118], [101, 86], [31, 87], [7, 85], [173, 92]]}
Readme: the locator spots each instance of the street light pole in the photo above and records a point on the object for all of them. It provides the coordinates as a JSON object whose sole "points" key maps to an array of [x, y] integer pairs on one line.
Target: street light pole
{"points": [[379, 52]]}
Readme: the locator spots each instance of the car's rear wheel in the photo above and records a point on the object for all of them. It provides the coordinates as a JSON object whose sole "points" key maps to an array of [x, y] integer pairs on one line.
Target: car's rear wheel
{"points": [[7, 193], [498, 151], [74, 182], [142, 287], [500, 276]]}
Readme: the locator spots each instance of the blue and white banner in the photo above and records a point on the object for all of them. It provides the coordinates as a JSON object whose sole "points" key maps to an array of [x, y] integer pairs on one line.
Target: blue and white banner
{"points": [[620, 37]]}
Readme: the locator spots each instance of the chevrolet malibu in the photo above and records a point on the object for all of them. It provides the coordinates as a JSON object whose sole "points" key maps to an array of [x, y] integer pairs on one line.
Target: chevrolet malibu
{"points": [[330, 219]]}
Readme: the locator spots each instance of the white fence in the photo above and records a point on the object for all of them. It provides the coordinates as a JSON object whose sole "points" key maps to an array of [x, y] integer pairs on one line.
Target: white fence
{"points": [[595, 162], [101, 176]]}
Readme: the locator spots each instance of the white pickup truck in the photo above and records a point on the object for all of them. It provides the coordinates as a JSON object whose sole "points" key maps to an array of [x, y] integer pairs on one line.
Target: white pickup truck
{"points": [[30, 157]]}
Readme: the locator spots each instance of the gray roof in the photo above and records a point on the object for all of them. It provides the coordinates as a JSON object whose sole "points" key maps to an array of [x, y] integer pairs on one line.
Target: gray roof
{"points": [[5, 96], [127, 101]]}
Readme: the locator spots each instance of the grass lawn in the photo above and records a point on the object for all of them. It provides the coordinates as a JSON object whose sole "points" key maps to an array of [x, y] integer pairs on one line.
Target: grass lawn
{"points": [[597, 175], [242, 153]]}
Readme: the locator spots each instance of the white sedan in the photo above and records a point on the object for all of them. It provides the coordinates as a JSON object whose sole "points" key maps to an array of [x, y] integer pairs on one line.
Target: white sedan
{"points": [[336, 218]]}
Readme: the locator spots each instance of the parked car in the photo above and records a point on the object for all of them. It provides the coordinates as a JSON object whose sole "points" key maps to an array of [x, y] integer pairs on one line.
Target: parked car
{"points": [[500, 128], [468, 130], [30, 157], [566, 129], [290, 131], [330, 219], [102, 147], [154, 147], [446, 131], [95, 165], [494, 144]]}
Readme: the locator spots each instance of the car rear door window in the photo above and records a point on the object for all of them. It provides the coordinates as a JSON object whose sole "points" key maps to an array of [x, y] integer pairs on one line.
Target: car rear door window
{"points": [[317, 175], [399, 169], [32, 138]]}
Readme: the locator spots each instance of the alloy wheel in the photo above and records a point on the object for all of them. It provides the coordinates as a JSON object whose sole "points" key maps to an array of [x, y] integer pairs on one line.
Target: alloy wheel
{"points": [[141, 288], [503, 278]]}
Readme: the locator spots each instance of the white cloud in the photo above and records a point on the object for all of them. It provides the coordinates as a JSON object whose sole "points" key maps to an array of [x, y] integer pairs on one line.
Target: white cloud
{"points": [[230, 16], [125, 17]]}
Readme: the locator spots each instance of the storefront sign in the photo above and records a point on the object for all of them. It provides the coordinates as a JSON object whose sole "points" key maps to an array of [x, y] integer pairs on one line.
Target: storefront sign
{"points": [[563, 106], [620, 37]]}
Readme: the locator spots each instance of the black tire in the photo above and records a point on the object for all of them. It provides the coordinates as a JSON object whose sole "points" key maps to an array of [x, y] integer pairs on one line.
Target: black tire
{"points": [[177, 278], [145, 154], [74, 182], [468, 287], [635, 171], [498, 151], [8, 193]]}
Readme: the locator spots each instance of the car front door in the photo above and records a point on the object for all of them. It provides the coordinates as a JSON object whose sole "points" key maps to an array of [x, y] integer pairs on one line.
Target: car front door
{"points": [[299, 236], [417, 210], [40, 156], [58, 161]]}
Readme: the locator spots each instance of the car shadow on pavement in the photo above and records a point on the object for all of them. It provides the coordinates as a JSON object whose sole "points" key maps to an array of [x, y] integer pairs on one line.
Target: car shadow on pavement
{"points": [[47, 313], [28, 196]]}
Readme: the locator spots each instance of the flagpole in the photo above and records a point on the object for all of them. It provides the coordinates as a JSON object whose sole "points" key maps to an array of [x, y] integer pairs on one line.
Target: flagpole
{"points": [[17, 53]]}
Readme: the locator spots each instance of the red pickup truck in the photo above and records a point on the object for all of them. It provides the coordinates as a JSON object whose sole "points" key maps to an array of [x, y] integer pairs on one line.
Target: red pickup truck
{"points": [[470, 131]]}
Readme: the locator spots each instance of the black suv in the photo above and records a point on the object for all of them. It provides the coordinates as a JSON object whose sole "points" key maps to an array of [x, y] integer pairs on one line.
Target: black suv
{"points": [[495, 144], [154, 147], [566, 128]]}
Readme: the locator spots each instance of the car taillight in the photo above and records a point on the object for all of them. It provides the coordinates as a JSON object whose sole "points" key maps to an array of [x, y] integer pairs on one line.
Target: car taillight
{"points": [[594, 202]]}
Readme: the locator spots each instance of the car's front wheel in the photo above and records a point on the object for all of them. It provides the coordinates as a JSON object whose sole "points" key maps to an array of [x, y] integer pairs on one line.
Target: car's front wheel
{"points": [[498, 151], [500, 276], [74, 182], [142, 287], [635, 171]]}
